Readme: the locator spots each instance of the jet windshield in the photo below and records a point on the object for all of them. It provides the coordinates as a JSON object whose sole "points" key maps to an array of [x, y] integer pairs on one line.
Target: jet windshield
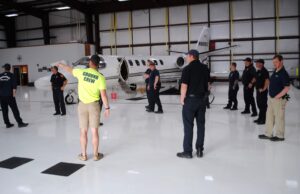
{"points": [[84, 61]]}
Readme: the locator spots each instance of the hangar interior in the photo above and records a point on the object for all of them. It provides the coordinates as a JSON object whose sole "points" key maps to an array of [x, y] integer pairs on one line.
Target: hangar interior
{"points": [[140, 148]]}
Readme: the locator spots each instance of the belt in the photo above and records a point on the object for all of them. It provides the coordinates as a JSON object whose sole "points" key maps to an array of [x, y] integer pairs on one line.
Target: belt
{"points": [[195, 96]]}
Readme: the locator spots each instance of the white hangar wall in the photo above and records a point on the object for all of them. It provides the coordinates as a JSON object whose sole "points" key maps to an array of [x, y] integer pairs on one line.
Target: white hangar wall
{"points": [[252, 24], [255, 25]]}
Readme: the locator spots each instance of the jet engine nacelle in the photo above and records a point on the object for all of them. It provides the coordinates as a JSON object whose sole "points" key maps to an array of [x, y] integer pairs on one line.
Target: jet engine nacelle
{"points": [[181, 62]]}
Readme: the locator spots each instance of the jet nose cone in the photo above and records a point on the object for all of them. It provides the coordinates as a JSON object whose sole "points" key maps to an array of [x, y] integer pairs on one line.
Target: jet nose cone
{"points": [[43, 83]]}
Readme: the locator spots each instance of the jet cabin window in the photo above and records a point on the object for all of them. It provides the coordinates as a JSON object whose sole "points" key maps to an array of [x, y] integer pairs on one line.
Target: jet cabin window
{"points": [[161, 62], [156, 63], [130, 62], [137, 62], [144, 62]]}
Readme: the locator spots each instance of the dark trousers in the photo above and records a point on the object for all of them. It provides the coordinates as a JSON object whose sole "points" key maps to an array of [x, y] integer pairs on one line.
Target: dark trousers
{"points": [[154, 99], [148, 96], [11, 102], [249, 99], [232, 97], [59, 101], [262, 104], [193, 108]]}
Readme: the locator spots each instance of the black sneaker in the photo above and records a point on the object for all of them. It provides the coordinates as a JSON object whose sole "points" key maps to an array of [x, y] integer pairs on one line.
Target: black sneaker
{"points": [[159, 112], [148, 110], [253, 114], [63, 114], [9, 125], [56, 114], [234, 108], [199, 153], [245, 112], [276, 139], [184, 155], [147, 107], [261, 122], [256, 121], [226, 107], [20, 125], [263, 136]]}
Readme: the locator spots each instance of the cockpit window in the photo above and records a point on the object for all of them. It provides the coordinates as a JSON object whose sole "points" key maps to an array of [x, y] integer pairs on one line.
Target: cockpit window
{"points": [[102, 64], [84, 61]]}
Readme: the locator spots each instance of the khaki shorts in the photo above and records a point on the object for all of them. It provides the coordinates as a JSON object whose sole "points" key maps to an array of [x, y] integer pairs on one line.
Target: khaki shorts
{"points": [[89, 115]]}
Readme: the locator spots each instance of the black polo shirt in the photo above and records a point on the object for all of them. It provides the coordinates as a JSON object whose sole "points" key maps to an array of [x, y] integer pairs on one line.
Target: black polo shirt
{"points": [[7, 84], [233, 76], [248, 74], [57, 80], [278, 81], [148, 71], [153, 74], [196, 76], [261, 76]]}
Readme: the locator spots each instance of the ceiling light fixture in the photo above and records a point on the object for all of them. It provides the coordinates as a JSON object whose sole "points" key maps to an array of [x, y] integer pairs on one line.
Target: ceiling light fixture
{"points": [[11, 15], [63, 8]]}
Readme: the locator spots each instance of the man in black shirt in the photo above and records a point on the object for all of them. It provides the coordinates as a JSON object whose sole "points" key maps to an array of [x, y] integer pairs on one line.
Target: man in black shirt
{"points": [[194, 88], [262, 84], [8, 89], [154, 88], [248, 79], [234, 77], [58, 82], [278, 89], [146, 77]]}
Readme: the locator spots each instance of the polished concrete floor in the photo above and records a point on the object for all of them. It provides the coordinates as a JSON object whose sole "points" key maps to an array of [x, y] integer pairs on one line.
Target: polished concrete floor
{"points": [[140, 151]]}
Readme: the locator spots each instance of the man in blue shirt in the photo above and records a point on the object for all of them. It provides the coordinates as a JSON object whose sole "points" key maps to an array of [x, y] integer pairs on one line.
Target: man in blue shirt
{"points": [[278, 89], [234, 77], [8, 90], [153, 88]]}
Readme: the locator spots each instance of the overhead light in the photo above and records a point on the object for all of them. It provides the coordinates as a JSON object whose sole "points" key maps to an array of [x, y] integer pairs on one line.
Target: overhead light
{"points": [[63, 8], [11, 15], [122, 0]]}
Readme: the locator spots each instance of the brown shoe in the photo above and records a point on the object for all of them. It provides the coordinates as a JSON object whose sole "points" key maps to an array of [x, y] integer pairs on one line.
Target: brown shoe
{"points": [[82, 157], [97, 157]]}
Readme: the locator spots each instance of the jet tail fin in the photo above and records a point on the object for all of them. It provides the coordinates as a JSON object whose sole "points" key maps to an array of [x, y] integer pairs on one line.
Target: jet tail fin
{"points": [[203, 40]]}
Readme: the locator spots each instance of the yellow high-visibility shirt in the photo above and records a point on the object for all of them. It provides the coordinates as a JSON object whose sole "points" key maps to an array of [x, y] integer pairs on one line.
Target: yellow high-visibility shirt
{"points": [[90, 83]]}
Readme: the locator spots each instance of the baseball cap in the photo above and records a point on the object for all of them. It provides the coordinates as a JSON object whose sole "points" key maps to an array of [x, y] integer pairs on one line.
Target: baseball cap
{"points": [[6, 66], [248, 59], [194, 53], [260, 61], [95, 59]]}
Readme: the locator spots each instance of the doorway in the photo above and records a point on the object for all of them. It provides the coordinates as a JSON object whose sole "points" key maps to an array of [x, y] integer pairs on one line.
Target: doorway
{"points": [[21, 74]]}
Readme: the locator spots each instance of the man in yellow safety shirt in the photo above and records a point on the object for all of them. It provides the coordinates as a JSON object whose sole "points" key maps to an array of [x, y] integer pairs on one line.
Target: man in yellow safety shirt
{"points": [[91, 88]]}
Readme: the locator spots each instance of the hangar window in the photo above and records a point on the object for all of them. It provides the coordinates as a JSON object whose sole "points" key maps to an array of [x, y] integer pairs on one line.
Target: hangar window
{"points": [[130, 62], [161, 62], [137, 62], [144, 62]]}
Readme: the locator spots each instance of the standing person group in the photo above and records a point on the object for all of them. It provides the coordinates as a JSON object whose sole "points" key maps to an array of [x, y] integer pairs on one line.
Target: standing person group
{"points": [[8, 90], [153, 88], [58, 83]]}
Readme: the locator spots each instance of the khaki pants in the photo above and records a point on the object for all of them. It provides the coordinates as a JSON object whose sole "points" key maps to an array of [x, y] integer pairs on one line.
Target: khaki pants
{"points": [[89, 115], [275, 117]]}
